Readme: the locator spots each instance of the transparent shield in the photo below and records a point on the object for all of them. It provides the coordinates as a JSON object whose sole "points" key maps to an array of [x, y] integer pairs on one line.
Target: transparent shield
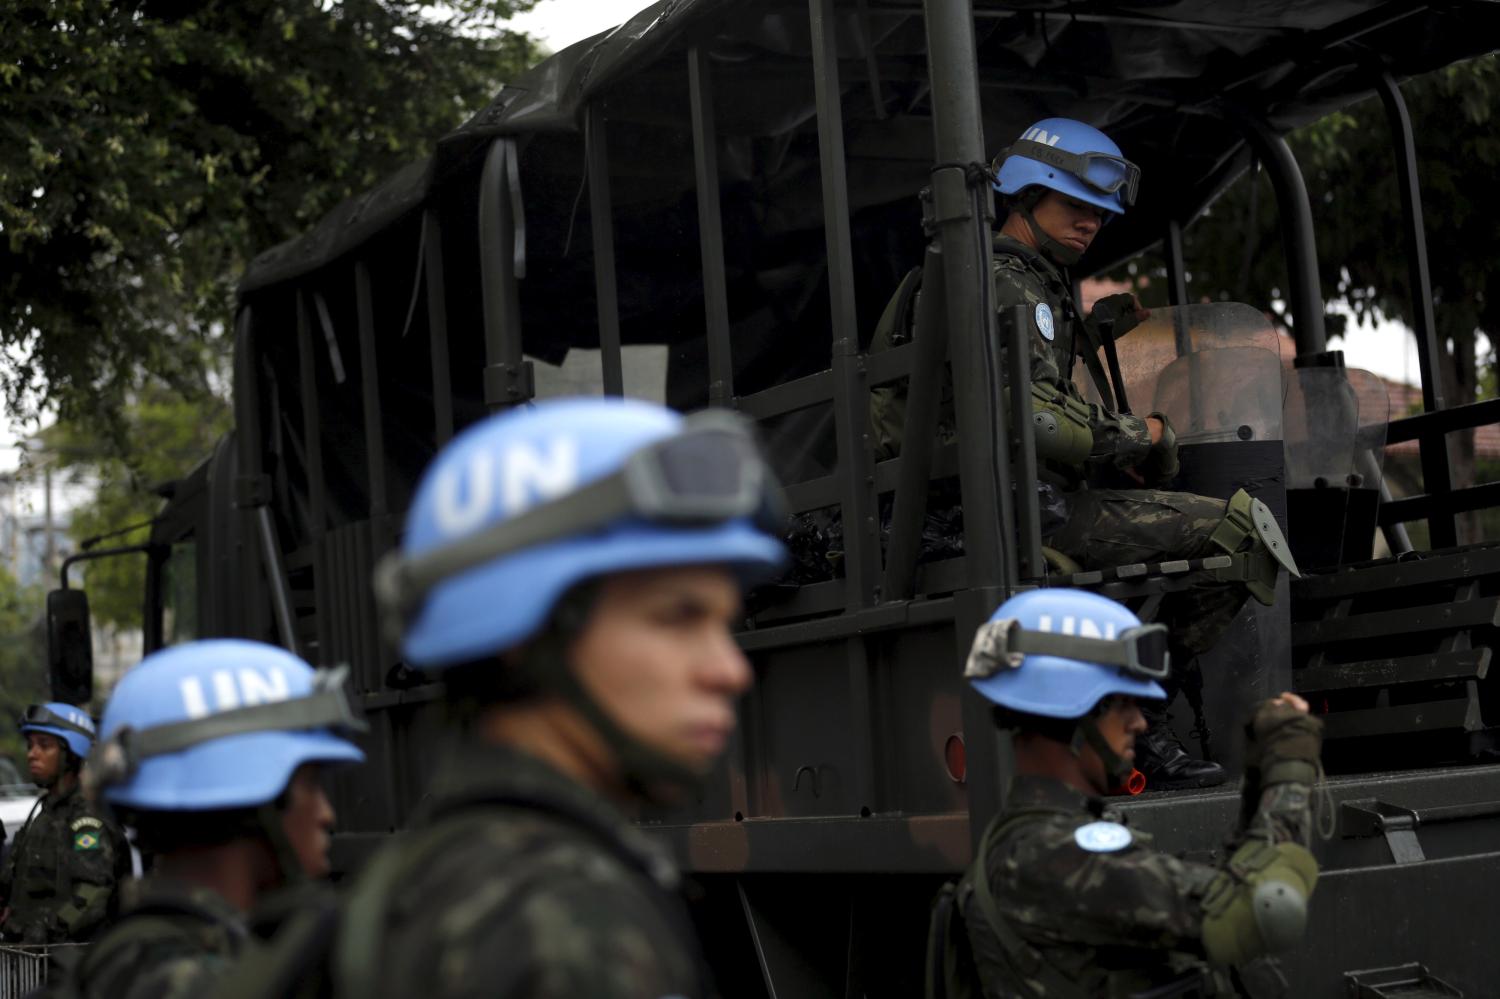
{"points": [[1176, 332], [1222, 394], [1335, 448]]}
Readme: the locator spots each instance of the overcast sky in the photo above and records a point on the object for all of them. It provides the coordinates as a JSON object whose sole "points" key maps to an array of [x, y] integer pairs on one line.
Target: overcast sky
{"points": [[560, 23]]}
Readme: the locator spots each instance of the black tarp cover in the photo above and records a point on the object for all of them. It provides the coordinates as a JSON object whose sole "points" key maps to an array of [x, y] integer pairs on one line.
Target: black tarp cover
{"points": [[1161, 77]]}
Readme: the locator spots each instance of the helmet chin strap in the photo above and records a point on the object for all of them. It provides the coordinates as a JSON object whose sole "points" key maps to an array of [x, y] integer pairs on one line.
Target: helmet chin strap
{"points": [[269, 824], [646, 773], [1061, 254], [1116, 767]]}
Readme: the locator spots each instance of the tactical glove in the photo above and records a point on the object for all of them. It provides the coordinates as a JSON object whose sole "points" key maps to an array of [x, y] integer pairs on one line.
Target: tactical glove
{"points": [[1284, 744], [1118, 309], [1160, 464]]}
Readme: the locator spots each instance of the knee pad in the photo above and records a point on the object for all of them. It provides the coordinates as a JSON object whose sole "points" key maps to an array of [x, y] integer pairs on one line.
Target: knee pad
{"points": [[1250, 535]]}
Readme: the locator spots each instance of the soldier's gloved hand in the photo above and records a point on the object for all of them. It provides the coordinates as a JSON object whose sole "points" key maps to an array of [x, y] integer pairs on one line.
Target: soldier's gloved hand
{"points": [[1161, 463], [1285, 742], [1122, 310]]}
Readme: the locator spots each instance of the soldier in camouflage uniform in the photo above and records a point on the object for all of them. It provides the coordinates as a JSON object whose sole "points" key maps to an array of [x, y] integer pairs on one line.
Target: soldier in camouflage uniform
{"points": [[212, 753], [571, 572], [1064, 900], [1061, 181], [67, 860]]}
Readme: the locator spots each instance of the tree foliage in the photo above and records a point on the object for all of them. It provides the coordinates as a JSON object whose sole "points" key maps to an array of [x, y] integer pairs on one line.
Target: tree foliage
{"points": [[148, 148], [169, 434], [23, 665]]}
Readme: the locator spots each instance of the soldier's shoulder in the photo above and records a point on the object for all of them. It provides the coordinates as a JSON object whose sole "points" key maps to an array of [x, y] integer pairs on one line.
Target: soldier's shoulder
{"points": [[494, 863], [1070, 835], [524, 905], [548, 842], [155, 955]]}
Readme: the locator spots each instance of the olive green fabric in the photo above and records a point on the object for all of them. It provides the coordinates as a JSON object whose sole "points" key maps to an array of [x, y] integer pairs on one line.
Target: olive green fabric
{"points": [[515, 881], [62, 871], [173, 940]]}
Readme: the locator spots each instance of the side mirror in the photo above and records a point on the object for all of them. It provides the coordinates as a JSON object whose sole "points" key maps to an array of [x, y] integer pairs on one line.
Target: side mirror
{"points": [[70, 647]]}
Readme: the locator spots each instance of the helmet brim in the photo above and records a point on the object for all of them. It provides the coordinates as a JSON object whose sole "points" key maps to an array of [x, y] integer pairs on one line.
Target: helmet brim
{"points": [[500, 605], [241, 771]]}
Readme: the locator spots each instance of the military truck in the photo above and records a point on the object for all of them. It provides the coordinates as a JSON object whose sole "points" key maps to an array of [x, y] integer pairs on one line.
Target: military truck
{"points": [[710, 205]]}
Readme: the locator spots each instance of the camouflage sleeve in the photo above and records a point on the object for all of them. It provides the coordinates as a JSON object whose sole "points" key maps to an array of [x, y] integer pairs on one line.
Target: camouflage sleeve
{"points": [[1055, 892], [1282, 748], [181, 976], [1283, 815], [1015, 285], [1119, 440], [91, 859], [581, 937], [176, 968]]}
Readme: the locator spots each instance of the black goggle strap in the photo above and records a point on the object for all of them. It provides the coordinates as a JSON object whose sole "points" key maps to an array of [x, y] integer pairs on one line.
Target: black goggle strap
{"points": [[117, 757], [1003, 644], [1077, 164], [40, 714], [638, 488]]}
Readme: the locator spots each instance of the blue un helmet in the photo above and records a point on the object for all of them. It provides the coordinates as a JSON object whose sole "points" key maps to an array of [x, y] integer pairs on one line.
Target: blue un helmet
{"points": [[1070, 158], [527, 504], [70, 724], [218, 725], [1059, 653]]}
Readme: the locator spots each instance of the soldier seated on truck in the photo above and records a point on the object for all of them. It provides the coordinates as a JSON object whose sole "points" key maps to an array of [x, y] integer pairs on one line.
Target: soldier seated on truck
{"points": [[1063, 899], [69, 857], [1060, 183]]}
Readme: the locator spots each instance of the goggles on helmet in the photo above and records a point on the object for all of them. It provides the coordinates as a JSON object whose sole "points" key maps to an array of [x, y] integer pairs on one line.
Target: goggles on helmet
{"points": [[38, 715], [1139, 652], [709, 472], [1103, 172], [115, 759]]}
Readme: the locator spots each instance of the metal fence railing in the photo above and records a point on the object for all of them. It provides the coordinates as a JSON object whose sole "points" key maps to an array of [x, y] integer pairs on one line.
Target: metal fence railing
{"points": [[25, 968]]}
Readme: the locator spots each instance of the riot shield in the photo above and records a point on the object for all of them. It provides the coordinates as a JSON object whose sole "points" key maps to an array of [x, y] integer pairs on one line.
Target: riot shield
{"points": [[1214, 370], [1335, 448], [1182, 331]]}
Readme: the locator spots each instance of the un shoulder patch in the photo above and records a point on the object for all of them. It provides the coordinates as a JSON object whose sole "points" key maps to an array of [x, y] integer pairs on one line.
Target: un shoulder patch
{"points": [[85, 841], [1102, 837], [1044, 321]]}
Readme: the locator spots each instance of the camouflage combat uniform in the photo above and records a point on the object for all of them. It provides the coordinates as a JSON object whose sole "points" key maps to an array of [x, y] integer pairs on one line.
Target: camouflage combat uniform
{"points": [[1111, 923], [1097, 528], [521, 882], [173, 940], [62, 871]]}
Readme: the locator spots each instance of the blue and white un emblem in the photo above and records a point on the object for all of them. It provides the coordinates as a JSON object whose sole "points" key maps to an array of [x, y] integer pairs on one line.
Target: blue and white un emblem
{"points": [[1044, 321], [1102, 837]]}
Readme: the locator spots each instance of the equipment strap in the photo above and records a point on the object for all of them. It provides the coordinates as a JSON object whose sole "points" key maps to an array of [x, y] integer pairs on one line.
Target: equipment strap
{"points": [[1113, 393]]}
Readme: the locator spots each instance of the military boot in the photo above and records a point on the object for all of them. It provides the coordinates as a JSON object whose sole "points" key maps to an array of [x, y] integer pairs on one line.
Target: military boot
{"points": [[1161, 756]]}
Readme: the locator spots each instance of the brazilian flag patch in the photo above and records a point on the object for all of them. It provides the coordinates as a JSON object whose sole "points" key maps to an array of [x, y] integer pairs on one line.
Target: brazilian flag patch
{"points": [[85, 840]]}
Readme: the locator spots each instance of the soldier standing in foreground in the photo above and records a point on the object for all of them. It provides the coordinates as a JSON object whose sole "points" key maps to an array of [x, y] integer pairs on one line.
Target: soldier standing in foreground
{"points": [[1065, 901], [1060, 183], [571, 571], [68, 858], [212, 753]]}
